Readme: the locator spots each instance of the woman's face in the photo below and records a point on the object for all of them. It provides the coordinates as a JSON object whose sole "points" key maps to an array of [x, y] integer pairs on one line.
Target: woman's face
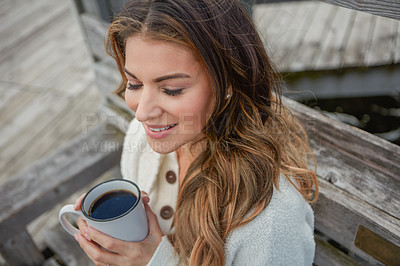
{"points": [[169, 91]]}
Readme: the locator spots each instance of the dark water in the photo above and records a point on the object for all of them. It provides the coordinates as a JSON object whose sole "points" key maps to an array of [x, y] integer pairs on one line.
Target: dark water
{"points": [[379, 115]]}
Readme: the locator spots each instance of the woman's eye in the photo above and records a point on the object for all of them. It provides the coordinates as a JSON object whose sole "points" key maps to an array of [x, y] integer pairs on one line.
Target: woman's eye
{"points": [[132, 86], [172, 92]]}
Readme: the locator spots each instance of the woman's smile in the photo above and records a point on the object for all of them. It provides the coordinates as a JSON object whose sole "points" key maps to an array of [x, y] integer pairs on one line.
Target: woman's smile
{"points": [[157, 131]]}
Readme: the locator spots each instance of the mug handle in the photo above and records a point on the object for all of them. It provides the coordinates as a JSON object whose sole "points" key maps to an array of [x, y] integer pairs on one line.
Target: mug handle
{"points": [[63, 220]]}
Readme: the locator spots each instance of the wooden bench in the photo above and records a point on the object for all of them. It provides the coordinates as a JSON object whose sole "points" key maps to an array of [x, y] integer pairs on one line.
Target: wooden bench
{"points": [[357, 216]]}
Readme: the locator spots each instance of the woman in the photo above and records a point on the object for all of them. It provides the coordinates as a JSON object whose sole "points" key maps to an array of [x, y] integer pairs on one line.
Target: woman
{"points": [[222, 160]]}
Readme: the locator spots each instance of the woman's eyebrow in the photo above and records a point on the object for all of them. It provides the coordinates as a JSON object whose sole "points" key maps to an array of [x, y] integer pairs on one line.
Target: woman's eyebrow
{"points": [[130, 74], [172, 76]]}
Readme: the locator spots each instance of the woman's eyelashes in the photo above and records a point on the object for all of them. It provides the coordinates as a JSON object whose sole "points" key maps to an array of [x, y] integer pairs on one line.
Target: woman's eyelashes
{"points": [[133, 87], [168, 92], [172, 92]]}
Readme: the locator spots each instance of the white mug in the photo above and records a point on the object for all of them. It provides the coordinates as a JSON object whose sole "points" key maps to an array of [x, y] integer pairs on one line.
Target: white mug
{"points": [[129, 226]]}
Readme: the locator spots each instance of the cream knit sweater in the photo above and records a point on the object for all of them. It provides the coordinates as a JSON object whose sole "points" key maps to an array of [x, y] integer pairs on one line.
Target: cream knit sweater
{"points": [[282, 234]]}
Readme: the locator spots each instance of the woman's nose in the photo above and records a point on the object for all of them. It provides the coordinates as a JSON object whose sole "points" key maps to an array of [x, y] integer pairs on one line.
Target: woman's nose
{"points": [[148, 106]]}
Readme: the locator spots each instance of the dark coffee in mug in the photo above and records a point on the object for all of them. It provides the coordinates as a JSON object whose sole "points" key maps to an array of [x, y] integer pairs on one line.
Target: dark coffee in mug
{"points": [[112, 204]]}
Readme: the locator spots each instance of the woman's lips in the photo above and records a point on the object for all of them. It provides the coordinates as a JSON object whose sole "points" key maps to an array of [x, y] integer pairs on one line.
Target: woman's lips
{"points": [[157, 131]]}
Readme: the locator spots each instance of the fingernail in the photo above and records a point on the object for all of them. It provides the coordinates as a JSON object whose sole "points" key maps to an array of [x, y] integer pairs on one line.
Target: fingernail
{"points": [[146, 199], [76, 236]]}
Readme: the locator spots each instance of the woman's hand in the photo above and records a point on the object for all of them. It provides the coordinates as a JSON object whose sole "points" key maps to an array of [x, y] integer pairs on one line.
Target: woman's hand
{"points": [[119, 252]]}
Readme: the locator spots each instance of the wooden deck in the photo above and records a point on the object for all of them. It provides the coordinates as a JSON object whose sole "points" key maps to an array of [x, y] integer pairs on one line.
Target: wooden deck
{"points": [[46, 81], [311, 35], [47, 91]]}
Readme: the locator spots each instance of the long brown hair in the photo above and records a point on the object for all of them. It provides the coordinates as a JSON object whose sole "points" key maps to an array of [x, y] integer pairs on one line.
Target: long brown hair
{"points": [[251, 138]]}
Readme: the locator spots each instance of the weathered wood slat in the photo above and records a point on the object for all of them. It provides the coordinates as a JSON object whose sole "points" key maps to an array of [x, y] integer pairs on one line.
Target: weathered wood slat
{"points": [[96, 30], [328, 255], [383, 42], [41, 186], [387, 8], [290, 33], [330, 54], [275, 27], [20, 250], [353, 160], [301, 24], [338, 215], [359, 44], [359, 180], [51, 262], [34, 22], [116, 116], [92, 7], [66, 248], [108, 80], [396, 56], [46, 134], [37, 51], [301, 44], [306, 54]]}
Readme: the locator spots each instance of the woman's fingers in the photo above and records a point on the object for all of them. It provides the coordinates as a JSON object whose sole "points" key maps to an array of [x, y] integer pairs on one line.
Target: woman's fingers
{"points": [[78, 201], [82, 228], [106, 241], [96, 253], [154, 227], [145, 197]]}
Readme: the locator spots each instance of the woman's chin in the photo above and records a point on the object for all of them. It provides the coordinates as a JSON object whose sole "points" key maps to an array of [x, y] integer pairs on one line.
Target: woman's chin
{"points": [[163, 147]]}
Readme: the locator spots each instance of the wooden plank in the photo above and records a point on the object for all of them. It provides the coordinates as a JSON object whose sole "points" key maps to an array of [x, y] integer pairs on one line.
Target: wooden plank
{"points": [[332, 48], [51, 262], [353, 160], [328, 255], [306, 53], [108, 80], [20, 250], [359, 42], [15, 13], [32, 22], [41, 186], [42, 58], [387, 8], [338, 215], [66, 247], [382, 47], [91, 6], [273, 28], [96, 30], [6, 6], [16, 97], [303, 20], [396, 50], [264, 16], [47, 134], [75, 65], [120, 119], [8, 92], [11, 110]]}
